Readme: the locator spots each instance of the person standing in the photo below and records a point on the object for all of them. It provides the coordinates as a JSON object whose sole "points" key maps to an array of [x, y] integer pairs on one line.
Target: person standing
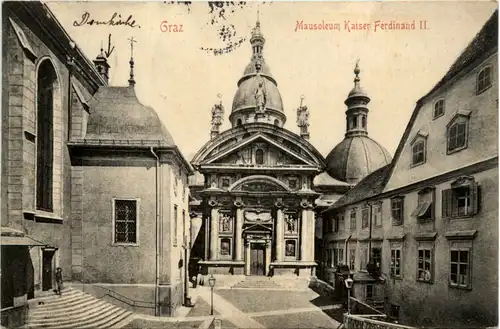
{"points": [[59, 281]]}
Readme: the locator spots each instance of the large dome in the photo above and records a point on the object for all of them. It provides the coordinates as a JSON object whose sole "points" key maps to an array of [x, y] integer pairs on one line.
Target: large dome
{"points": [[245, 95], [356, 157]]}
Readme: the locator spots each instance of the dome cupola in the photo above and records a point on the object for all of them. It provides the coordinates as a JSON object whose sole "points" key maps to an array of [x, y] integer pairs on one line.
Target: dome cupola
{"points": [[257, 98], [357, 155]]}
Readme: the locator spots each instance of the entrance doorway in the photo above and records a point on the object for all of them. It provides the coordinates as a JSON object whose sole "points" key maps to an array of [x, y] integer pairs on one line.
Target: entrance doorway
{"points": [[47, 268], [257, 261]]}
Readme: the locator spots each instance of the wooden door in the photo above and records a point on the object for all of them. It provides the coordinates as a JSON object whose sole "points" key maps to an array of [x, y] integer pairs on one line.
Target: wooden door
{"points": [[47, 269], [257, 259]]}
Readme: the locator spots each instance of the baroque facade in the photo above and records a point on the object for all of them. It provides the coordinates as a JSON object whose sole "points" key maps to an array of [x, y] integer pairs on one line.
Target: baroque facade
{"points": [[68, 142], [426, 226], [259, 186]]}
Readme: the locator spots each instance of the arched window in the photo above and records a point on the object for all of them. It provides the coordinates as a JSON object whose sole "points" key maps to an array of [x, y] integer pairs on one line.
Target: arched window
{"points": [[238, 122], [483, 79], [46, 83], [354, 122], [259, 156], [363, 121], [276, 122]]}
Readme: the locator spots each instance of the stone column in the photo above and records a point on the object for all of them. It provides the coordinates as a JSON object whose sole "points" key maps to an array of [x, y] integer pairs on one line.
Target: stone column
{"points": [[312, 235], [280, 231], [238, 234], [268, 256], [247, 257], [214, 220], [304, 237]]}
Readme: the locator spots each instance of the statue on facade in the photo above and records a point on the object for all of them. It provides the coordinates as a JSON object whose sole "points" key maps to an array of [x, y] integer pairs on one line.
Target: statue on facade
{"points": [[217, 115], [225, 224], [260, 98], [303, 117], [290, 223]]}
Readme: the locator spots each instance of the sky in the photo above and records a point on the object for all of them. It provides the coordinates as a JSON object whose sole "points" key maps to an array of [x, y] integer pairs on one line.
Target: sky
{"points": [[181, 81]]}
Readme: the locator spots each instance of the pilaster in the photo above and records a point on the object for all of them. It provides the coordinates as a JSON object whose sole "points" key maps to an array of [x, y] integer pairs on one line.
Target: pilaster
{"points": [[238, 232]]}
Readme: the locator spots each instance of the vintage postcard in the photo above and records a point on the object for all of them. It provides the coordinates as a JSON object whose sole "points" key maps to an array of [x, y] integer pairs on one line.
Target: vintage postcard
{"points": [[253, 164]]}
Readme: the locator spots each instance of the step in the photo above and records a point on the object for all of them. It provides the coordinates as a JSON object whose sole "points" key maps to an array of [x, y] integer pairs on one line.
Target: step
{"points": [[120, 321], [108, 322], [89, 313], [66, 311], [101, 319], [52, 298], [64, 315], [65, 304], [64, 299]]}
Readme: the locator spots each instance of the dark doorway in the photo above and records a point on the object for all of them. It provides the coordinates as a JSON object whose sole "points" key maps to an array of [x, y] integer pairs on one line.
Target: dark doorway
{"points": [[257, 259], [47, 255]]}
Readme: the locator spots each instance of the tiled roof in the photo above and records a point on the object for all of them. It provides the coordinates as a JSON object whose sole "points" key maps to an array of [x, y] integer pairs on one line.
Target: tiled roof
{"points": [[117, 115], [370, 186], [484, 41]]}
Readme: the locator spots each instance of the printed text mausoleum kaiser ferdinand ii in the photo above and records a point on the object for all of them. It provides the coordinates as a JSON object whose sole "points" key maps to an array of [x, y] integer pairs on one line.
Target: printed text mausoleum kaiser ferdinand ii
{"points": [[89, 174]]}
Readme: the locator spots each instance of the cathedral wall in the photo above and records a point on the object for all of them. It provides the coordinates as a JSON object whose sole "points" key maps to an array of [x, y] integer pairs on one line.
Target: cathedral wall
{"points": [[134, 263]]}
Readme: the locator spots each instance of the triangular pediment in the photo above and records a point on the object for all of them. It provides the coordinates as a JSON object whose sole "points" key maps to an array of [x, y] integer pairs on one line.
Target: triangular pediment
{"points": [[246, 152], [257, 228]]}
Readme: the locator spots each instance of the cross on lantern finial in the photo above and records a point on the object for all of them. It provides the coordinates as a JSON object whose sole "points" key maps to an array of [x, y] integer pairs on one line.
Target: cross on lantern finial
{"points": [[131, 81], [219, 96], [132, 46], [301, 99]]}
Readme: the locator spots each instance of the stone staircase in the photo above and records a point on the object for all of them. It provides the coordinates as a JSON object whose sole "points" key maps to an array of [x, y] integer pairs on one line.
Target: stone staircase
{"points": [[257, 283], [75, 309]]}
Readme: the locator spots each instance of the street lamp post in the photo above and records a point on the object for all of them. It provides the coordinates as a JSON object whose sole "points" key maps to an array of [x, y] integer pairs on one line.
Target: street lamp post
{"points": [[211, 283], [348, 283]]}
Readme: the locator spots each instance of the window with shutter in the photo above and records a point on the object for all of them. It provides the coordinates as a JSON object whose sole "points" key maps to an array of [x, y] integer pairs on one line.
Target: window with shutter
{"points": [[462, 199], [425, 207]]}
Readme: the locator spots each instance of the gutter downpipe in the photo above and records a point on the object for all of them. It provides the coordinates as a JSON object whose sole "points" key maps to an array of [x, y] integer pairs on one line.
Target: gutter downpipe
{"points": [[370, 233], [157, 229], [346, 250]]}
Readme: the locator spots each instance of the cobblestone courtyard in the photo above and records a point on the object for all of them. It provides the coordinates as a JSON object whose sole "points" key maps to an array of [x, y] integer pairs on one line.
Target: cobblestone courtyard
{"points": [[257, 308]]}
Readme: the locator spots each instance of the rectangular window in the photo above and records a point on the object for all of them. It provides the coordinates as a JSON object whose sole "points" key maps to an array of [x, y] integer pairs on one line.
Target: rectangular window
{"points": [[353, 219], [125, 217], [460, 264], [457, 136], [425, 264], [175, 230], [461, 201], [418, 153], [364, 257], [396, 262], [225, 182], [365, 217], [176, 185], [377, 215], [397, 211], [340, 255], [369, 291], [292, 183]]}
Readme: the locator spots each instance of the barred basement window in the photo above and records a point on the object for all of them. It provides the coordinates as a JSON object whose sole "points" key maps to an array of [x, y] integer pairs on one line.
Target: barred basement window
{"points": [[125, 221]]}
